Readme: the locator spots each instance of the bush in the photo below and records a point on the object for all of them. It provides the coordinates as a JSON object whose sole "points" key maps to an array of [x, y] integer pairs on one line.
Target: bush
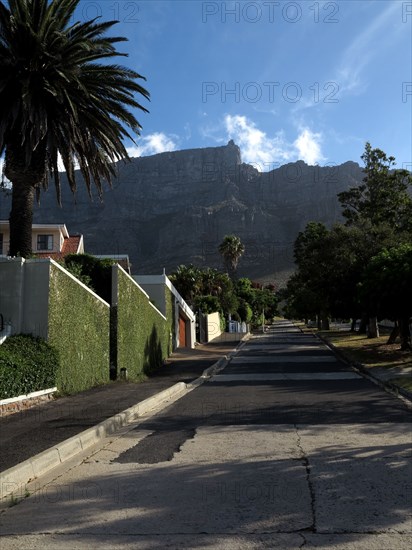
{"points": [[94, 272], [27, 364], [207, 304], [245, 312]]}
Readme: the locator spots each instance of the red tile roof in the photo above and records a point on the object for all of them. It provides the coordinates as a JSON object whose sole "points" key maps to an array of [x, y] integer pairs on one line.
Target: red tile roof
{"points": [[70, 246]]}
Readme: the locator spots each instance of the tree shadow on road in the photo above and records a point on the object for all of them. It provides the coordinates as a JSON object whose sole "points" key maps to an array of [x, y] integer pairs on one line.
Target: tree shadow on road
{"points": [[360, 485]]}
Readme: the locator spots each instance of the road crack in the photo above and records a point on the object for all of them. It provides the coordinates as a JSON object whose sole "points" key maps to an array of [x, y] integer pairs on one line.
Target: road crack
{"points": [[306, 464]]}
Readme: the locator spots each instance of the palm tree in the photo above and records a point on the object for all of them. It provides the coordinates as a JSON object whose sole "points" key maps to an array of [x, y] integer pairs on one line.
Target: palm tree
{"points": [[58, 101], [231, 249]]}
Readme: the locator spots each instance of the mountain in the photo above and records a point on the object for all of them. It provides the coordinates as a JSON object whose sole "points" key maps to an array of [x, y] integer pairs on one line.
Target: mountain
{"points": [[175, 208]]}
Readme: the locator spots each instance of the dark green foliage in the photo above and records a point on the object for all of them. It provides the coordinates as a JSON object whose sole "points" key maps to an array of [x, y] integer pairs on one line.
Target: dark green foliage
{"points": [[207, 304], [211, 290], [187, 279], [331, 263], [386, 285], [79, 330], [383, 197], [94, 272], [27, 364], [245, 311]]}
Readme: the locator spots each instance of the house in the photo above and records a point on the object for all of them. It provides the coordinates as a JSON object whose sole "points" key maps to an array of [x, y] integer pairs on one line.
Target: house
{"points": [[48, 240]]}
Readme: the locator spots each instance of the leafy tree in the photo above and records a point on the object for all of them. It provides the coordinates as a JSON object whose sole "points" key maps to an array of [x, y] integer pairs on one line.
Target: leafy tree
{"points": [[230, 302], [382, 197], [245, 311], [188, 281], [312, 256], [231, 249], [215, 282], [386, 288], [243, 288], [381, 206], [331, 262], [302, 302], [207, 304], [58, 99]]}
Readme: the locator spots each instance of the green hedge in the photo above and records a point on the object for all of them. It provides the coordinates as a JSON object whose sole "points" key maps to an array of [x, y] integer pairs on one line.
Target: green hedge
{"points": [[79, 330], [144, 337], [27, 364]]}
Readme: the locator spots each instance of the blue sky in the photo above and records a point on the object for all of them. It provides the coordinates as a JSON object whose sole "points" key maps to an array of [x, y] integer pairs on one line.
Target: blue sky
{"points": [[306, 80], [285, 80]]}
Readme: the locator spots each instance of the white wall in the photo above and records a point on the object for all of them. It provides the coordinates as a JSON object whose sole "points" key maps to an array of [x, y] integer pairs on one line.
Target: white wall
{"points": [[213, 326], [24, 295], [36, 298], [156, 291], [11, 290]]}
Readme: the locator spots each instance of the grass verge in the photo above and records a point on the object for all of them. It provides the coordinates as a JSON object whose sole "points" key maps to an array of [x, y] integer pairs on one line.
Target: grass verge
{"points": [[371, 353], [374, 352]]}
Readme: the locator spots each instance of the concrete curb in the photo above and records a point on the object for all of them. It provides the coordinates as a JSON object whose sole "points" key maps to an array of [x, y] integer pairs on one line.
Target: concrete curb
{"points": [[13, 480], [366, 373]]}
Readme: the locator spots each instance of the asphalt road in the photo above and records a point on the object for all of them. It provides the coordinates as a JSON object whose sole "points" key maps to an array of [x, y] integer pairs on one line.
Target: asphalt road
{"points": [[286, 448]]}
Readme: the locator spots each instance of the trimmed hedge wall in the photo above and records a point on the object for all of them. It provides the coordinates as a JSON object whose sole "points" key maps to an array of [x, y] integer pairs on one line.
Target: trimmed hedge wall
{"points": [[144, 337], [79, 331], [27, 364]]}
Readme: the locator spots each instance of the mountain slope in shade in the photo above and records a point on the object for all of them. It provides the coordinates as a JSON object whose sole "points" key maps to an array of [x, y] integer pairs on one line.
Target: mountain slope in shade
{"points": [[175, 208]]}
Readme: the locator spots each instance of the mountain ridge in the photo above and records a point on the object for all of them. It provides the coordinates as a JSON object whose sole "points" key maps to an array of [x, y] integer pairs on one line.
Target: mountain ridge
{"points": [[176, 207]]}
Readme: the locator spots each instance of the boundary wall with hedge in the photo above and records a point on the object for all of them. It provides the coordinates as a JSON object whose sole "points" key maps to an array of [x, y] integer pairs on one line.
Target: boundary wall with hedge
{"points": [[79, 329], [41, 298], [143, 336]]}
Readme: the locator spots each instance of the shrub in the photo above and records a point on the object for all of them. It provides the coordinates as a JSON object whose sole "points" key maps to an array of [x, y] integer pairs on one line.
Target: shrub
{"points": [[94, 272], [27, 364], [245, 312]]}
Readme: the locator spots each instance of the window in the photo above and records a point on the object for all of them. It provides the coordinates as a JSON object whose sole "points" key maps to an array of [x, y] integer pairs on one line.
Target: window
{"points": [[44, 242]]}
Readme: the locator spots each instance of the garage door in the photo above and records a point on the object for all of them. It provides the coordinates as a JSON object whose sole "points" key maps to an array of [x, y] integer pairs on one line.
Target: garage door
{"points": [[182, 333]]}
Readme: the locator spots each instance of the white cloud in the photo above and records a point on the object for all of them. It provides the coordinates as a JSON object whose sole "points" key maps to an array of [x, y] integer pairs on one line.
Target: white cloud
{"points": [[255, 145], [308, 146], [152, 144], [258, 148]]}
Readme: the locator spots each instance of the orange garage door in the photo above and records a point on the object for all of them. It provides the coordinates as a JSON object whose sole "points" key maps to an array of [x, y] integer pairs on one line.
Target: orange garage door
{"points": [[182, 333]]}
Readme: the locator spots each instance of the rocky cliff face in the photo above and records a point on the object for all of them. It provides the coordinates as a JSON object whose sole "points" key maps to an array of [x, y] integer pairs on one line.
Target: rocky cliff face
{"points": [[174, 208]]}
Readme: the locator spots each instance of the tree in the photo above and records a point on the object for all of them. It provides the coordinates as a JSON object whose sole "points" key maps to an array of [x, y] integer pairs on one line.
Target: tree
{"points": [[231, 249], [312, 256], [386, 288], [188, 281], [383, 197], [381, 205], [58, 101]]}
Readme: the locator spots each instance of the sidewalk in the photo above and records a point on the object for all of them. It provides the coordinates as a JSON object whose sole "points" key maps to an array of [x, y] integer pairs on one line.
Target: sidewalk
{"points": [[32, 431]]}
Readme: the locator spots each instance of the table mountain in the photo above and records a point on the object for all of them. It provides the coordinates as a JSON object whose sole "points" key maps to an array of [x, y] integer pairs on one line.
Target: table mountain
{"points": [[175, 208]]}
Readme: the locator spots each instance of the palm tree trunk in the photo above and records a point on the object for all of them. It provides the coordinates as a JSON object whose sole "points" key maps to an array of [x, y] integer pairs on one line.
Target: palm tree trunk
{"points": [[21, 217]]}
